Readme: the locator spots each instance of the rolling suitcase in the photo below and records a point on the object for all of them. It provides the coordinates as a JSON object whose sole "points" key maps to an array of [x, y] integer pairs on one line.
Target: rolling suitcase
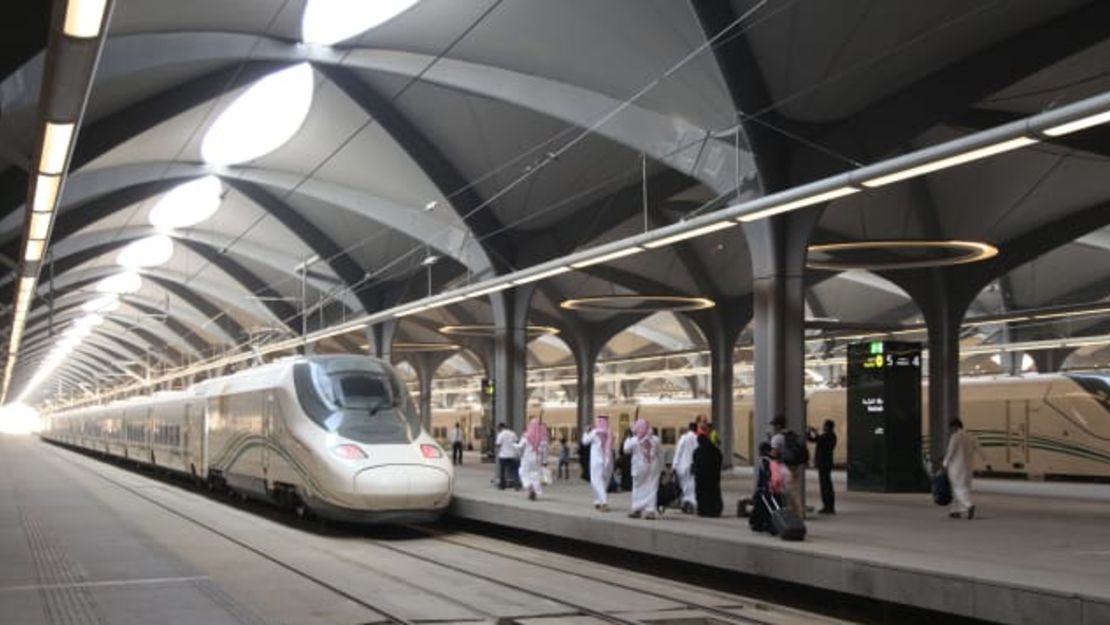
{"points": [[786, 524]]}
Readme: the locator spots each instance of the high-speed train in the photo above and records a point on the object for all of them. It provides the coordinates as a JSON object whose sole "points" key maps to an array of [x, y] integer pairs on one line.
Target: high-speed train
{"points": [[337, 436], [1054, 426]]}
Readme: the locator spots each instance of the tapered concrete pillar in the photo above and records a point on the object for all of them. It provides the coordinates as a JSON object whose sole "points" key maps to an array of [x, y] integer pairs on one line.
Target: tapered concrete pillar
{"points": [[426, 364], [721, 326], [944, 372], [1051, 360], [720, 398], [778, 247], [510, 314], [585, 360], [379, 339]]}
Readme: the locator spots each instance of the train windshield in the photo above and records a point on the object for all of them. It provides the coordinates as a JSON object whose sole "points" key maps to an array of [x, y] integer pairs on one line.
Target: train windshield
{"points": [[357, 398], [1097, 384]]}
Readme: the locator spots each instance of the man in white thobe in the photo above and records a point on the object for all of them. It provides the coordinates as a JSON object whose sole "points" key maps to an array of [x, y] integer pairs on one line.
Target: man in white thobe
{"points": [[959, 461], [683, 465]]}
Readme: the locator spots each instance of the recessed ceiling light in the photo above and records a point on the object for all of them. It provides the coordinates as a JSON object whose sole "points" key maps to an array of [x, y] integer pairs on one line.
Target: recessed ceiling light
{"points": [[327, 22], [124, 282], [187, 204], [147, 252], [262, 119]]}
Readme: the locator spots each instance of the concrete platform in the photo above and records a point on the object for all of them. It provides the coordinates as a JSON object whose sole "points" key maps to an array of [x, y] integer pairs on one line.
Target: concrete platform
{"points": [[1026, 558], [87, 542]]}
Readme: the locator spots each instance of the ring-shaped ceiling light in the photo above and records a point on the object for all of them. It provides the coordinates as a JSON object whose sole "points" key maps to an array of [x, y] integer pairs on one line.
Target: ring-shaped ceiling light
{"points": [[638, 303], [187, 204], [102, 305], [424, 347], [123, 282], [959, 253], [489, 330], [262, 119], [327, 22], [146, 252]]}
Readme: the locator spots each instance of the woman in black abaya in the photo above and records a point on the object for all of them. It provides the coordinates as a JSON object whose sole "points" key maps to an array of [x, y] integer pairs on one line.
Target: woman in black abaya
{"points": [[707, 477]]}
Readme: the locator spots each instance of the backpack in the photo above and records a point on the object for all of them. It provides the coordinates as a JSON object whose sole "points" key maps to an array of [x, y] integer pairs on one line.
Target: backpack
{"points": [[794, 451]]}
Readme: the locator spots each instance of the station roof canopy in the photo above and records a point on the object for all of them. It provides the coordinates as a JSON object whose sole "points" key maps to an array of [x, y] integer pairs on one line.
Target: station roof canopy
{"points": [[464, 139]]}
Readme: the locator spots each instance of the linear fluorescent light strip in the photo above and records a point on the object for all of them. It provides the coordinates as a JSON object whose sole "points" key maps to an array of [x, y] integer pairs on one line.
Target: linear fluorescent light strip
{"points": [[1073, 313], [55, 148], [951, 161], [40, 225], [806, 201], [492, 289], [84, 17], [689, 234], [46, 193], [411, 311], [1079, 124], [34, 251], [628, 251], [540, 276]]}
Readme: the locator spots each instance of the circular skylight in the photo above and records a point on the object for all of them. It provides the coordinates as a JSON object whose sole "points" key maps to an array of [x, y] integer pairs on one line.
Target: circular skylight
{"points": [[187, 204], [124, 282], [262, 119], [328, 22], [103, 304], [147, 252]]}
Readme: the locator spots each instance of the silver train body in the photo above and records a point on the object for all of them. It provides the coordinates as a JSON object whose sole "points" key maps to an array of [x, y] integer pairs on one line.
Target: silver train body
{"points": [[338, 435]]}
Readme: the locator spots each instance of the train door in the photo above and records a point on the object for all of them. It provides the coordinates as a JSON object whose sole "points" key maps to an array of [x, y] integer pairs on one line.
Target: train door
{"points": [[267, 435], [1017, 434]]}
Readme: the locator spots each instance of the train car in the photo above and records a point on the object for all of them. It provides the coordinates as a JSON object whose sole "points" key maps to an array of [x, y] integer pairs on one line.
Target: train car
{"points": [[337, 436], [1050, 426]]}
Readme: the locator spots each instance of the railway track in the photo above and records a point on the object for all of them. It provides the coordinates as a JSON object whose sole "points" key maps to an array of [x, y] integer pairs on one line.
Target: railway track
{"points": [[470, 611]]}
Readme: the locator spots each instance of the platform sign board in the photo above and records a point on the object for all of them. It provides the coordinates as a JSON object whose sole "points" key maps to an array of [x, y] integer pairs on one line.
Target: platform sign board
{"points": [[884, 417]]}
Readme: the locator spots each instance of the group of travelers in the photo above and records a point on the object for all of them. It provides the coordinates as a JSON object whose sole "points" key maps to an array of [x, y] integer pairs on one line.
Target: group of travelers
{"points": [[638, 464], [782, 461], [780, 471]]}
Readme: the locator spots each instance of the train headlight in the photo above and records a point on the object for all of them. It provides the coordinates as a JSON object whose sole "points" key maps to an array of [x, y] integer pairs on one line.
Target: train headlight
{"points": [[349, 452], [431, 451]]}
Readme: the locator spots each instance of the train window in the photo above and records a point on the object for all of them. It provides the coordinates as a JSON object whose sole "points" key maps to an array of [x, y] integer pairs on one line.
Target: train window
{"points": [[357, 399]]}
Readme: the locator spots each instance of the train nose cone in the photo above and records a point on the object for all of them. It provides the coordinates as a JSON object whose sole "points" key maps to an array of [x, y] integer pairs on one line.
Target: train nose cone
{"points": [[394, 487]]}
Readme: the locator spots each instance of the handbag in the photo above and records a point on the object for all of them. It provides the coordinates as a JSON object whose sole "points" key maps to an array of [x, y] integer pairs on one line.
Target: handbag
{"points": [[545, 475], [778, 480]]}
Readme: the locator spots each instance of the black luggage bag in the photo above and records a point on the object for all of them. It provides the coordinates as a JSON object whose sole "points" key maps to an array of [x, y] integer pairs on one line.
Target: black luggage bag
{"points": [[786, 524], [942, 488], [669, 491]]}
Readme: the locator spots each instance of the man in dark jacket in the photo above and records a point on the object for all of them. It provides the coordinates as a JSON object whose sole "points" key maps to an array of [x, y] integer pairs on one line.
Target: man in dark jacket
{"points": [[823, 459]]}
